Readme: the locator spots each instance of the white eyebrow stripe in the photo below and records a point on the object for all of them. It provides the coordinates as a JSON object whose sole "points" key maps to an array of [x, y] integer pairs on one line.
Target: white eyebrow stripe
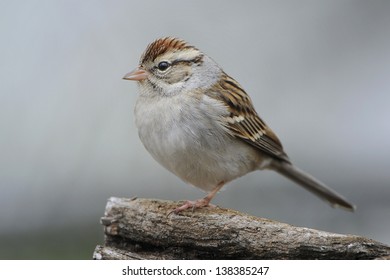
{"points": [[188, 54]]}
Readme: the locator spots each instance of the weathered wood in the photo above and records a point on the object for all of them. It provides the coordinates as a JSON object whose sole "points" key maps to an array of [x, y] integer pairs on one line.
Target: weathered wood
{"points": [[142, 229]]}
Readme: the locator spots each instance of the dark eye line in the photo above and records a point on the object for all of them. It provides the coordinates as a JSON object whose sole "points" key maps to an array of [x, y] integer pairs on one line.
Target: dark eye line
{"points": [[197, 60], [164, 65], [175, 62], [178, 61]]}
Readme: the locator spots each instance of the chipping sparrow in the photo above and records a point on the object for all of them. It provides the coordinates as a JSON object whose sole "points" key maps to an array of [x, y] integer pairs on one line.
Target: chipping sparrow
{"points": [[201, 125]]}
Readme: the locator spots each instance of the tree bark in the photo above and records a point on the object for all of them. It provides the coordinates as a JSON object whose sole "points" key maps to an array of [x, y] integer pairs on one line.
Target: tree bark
{"points": [[142, 229]]}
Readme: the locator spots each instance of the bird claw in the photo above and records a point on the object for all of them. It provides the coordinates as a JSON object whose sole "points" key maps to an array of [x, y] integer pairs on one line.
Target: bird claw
{"points": [[200, 203]]}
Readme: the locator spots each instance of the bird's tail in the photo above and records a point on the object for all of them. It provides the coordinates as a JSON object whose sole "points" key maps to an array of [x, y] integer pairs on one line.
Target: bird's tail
{"points": [[313, 185]]}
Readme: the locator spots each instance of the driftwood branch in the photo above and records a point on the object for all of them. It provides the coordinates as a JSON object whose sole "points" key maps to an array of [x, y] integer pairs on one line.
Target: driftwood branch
{"points": [[142, 229]]}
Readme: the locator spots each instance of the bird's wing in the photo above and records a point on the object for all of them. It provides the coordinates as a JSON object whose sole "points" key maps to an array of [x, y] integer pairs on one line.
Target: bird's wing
{"points": [[243, 122]]}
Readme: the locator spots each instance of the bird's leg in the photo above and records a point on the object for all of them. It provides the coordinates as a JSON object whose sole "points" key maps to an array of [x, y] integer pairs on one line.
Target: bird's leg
{"points": [[203, 202]]}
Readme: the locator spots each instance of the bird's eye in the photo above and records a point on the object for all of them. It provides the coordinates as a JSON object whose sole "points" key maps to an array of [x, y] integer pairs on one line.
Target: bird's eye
{"points": [[163, 65]]}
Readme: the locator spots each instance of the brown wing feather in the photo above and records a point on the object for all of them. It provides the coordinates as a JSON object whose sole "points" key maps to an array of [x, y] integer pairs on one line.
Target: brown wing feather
{"points": [[243, 121]]}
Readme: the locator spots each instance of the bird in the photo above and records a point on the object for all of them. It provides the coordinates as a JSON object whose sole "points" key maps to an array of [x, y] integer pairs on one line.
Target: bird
{"points": [[201, 125]]}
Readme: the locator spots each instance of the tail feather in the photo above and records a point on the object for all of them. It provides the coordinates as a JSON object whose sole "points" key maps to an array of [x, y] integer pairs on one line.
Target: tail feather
{"points": [[313, 185]]}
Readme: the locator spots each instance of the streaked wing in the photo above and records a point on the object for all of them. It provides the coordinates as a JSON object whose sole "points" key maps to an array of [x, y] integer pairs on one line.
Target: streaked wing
{"points": [[243, 121]]}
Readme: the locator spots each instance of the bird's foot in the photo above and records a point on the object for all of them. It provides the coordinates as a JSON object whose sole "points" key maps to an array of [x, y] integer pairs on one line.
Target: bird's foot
{"points": [[200, 203]]}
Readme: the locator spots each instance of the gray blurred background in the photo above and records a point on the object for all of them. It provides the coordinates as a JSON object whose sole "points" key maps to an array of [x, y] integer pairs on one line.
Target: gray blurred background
{"points": [[317, 71]]}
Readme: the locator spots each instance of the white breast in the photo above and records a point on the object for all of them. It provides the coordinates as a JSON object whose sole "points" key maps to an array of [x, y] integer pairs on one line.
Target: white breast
{"points": [[183, 134]]}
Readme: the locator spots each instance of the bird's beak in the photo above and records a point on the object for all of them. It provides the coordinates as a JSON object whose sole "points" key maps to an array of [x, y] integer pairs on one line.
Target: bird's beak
{"points": [[136, 75]]}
